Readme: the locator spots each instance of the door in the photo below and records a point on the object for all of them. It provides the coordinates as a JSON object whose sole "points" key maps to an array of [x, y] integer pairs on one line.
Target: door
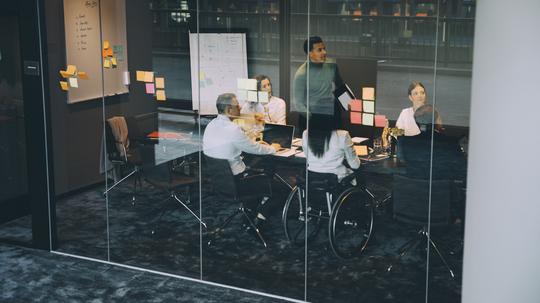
{"points": [[23, 166]]}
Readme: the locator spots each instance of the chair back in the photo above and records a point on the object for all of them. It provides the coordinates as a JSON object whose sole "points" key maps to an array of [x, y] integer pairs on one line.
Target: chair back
{"points": [[219, 172], [113, 153], [411, 201]]}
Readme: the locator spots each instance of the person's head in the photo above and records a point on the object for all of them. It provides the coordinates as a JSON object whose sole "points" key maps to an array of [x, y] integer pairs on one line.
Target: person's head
{"points": [[320, 131], [417, 94], [264, 84], [315, 47], [426, 116], [227, 104]]}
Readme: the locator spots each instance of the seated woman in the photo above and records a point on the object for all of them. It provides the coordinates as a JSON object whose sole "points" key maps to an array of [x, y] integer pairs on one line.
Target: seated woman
{"points": [[274, 111], [326, 147], [405, 121]]}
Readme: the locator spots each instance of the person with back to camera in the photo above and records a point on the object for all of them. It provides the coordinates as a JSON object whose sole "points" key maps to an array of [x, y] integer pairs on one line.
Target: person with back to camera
{"points": [[326, 147], [274, 111], [324, 78], [405, 121]]}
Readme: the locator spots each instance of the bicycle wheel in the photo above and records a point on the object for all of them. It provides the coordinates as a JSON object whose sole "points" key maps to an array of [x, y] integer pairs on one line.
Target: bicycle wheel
{"points": [[296, 218], [351, 223]]}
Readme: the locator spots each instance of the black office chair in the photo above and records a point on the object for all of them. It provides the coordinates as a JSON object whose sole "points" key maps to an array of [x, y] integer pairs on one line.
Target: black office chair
{"points": [[170, 178], [346, 211], [411, 204], [229, 190], [122, 157]]}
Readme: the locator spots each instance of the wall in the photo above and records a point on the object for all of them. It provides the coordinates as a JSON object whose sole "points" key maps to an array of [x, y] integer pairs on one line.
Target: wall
{"points": [[77, 128], [503, 227]]}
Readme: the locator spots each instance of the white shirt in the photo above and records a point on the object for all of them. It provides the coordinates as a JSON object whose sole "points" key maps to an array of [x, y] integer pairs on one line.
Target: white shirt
{"points": [[274, 111], [223, 139], [340, 147], [406, 121]]}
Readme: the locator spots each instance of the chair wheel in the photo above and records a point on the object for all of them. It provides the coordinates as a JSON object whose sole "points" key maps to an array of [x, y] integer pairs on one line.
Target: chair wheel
{"points": [[297, 217]]}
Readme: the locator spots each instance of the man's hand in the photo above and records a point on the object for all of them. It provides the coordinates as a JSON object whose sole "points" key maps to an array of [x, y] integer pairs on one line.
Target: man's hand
{"points": [[276, 146]]}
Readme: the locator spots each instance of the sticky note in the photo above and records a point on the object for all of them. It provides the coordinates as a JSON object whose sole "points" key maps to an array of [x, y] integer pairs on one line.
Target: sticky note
{"points": [[140, 75], [113, 61], [107, 63], [361, 150], [263, 97], [251, 84], [150, 88], [369, 106], [107, 53], [64, 85], [160, 95], [125, 78], [209, 81], [82, 75], [160, 82], [73, 82], [149, 77], [356, 118], [71, 70], [380, 120], [251, 96], [367, 119], [106, 44], [202, 76], [356, 105], [64, 74], [241, 94], [368, 93]]}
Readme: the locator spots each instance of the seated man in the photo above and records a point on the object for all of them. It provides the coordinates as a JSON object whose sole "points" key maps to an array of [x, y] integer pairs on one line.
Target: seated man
{"points": [[225, 140]]}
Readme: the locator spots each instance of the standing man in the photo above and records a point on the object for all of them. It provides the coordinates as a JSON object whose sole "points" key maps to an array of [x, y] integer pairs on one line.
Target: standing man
{"points": [[317, 88]]}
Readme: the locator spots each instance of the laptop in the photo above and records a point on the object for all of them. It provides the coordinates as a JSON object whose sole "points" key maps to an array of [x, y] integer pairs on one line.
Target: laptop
{"points": [[281, 134]]}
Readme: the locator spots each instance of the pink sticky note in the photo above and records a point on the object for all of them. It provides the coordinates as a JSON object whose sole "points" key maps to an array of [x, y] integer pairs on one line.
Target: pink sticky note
{"points": [[356, 118], [380, 120], [356, 105], [150, 89]]}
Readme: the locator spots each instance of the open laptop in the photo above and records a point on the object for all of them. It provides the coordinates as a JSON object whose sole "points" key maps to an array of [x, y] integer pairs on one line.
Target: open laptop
{"points": [[281, 134]]}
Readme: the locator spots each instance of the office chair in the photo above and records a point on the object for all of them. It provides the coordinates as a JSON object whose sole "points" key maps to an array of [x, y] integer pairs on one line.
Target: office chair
{"points": [[228, 189], [170, 178], [411, 205], [347, 211], [122, 156]]}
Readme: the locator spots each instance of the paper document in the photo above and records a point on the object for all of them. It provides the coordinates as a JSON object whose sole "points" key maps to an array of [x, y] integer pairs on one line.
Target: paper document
{"points": [[344, 99], [361, 150], [358, 140]]}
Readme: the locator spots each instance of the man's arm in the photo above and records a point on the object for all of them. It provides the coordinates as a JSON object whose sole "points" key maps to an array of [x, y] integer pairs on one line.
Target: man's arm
{"points": [[243, 143], [338, 81], [299, 93]]}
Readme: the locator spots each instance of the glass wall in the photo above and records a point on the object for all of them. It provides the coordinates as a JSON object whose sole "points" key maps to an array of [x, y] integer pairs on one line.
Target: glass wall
{"points": [[306, 149]]}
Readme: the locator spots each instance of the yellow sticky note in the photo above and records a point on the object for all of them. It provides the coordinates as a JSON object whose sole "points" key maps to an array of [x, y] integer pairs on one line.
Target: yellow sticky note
{"points": [[160, 82], [106, 44], [160, 95], [140, 75], [113, 61], [107, 63], [64, 74], [71, 70], [64, 85], [83, 75], [202, 76], [149, 77]]}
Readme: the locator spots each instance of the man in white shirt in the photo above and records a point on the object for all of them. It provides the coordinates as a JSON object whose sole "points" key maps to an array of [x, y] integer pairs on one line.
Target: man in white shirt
{"points": [[225, 140]]}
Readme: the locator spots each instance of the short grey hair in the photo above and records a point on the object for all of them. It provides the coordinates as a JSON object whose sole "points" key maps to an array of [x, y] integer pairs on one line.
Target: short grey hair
{"points": [[224, 101]]}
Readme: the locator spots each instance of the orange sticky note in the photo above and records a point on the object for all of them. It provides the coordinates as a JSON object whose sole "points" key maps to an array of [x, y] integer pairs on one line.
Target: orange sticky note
{"points": [[71, 70], [107, 52], [160, 82], [149, 77], [64, 74], [356, 105], [140, 75], [160, 95], [368, 93], [64, 85], [82, 75], [356, 118], [361, 150], [380, 120]]}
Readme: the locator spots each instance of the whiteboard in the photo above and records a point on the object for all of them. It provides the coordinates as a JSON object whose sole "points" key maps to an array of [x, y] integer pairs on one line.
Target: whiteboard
{"points": [[83, 46], [217, 60]]}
